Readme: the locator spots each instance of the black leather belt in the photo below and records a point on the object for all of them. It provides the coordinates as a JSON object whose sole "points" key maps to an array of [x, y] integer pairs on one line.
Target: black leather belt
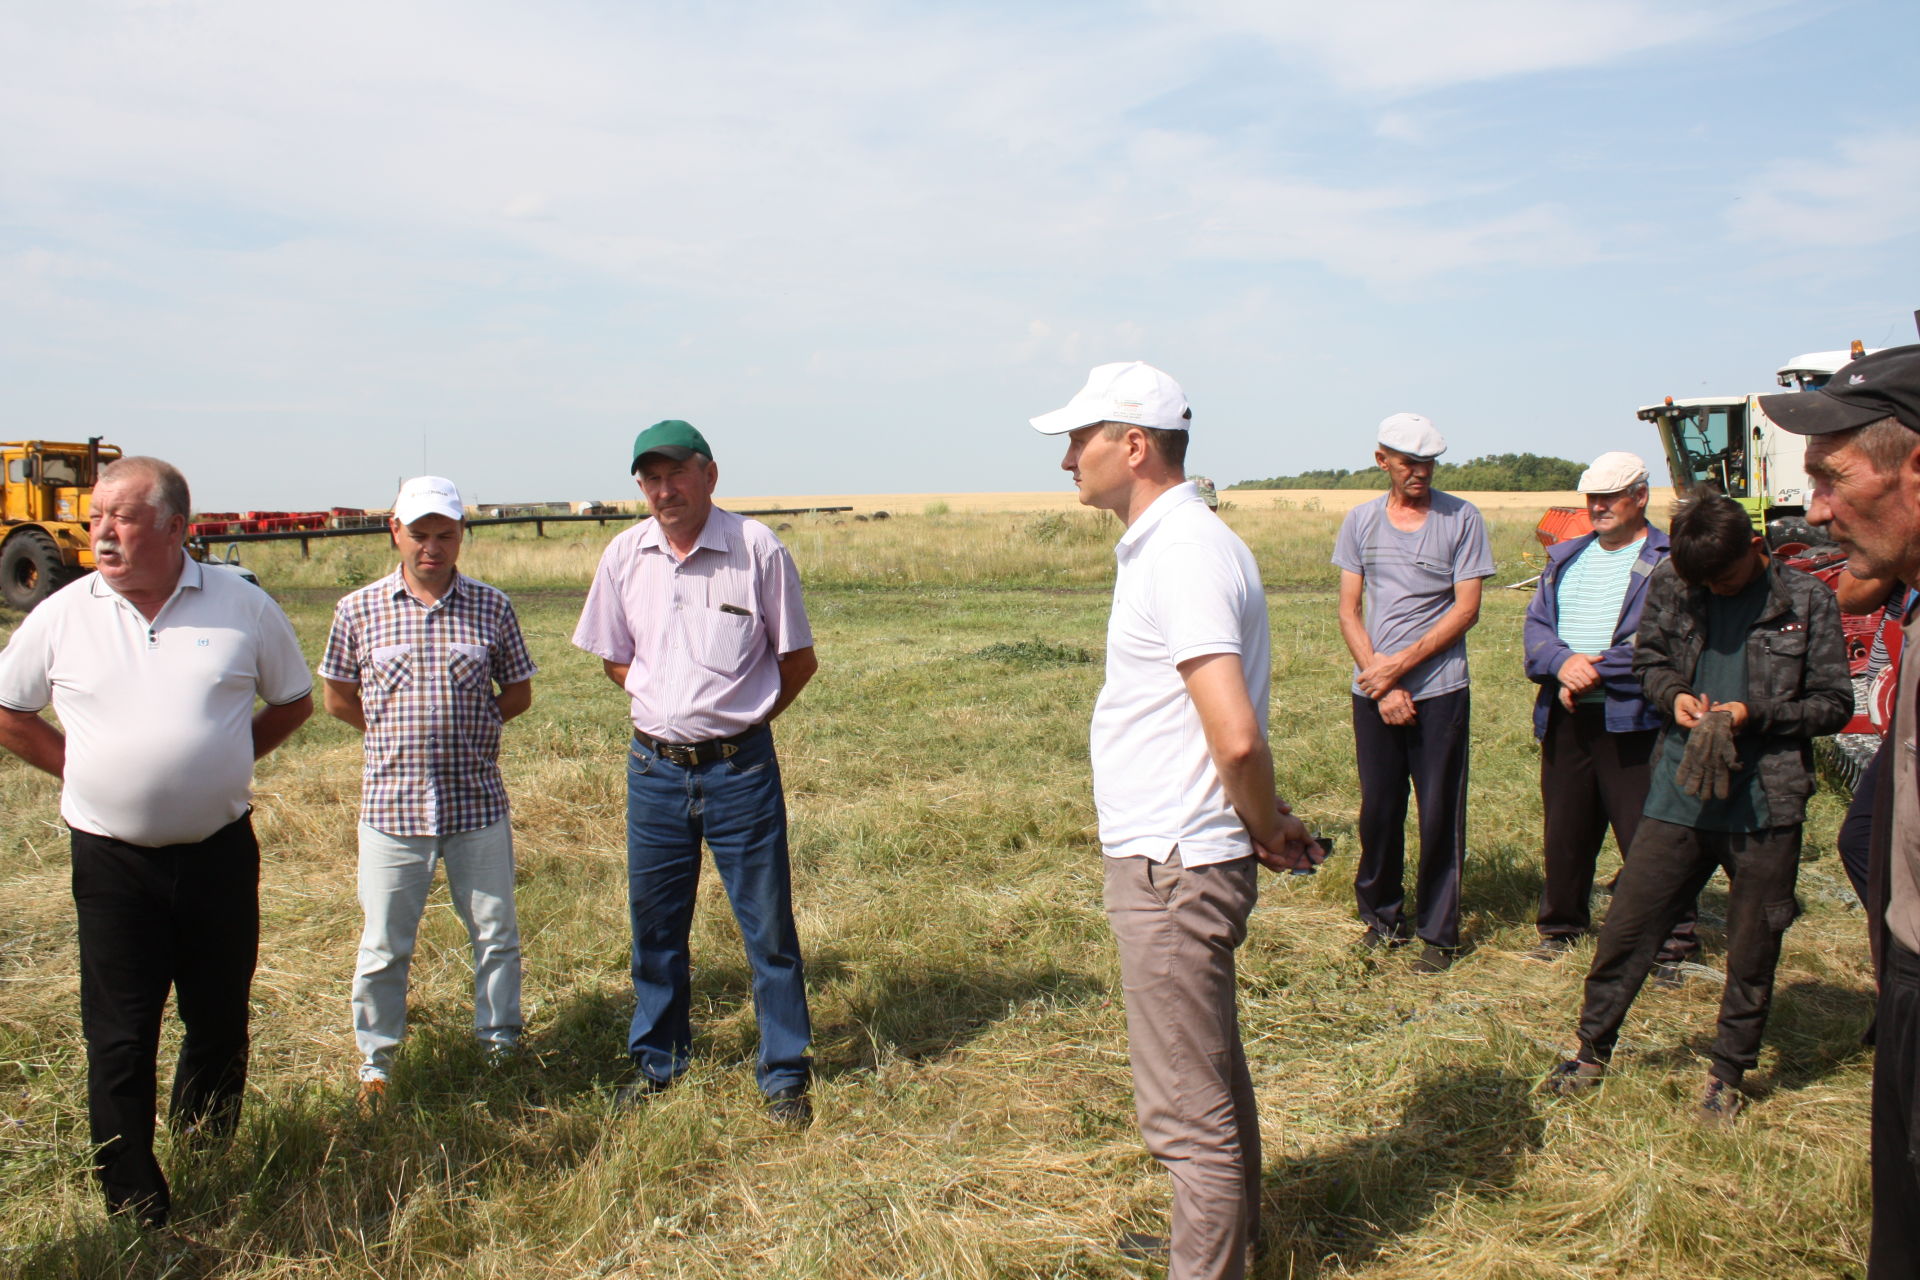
{"points": [[689, 754]]}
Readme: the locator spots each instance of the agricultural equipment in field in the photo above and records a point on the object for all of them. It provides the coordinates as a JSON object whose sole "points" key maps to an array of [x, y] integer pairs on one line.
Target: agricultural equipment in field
{"points": [[44, 508], [1728, 443]]}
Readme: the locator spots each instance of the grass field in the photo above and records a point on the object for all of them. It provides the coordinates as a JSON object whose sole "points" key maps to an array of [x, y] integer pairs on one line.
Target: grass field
{"points": [[974, 1109]]}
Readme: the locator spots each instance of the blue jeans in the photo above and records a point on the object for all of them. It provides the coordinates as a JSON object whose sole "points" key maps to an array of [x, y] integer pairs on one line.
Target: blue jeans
{"points": [[737, 806]]}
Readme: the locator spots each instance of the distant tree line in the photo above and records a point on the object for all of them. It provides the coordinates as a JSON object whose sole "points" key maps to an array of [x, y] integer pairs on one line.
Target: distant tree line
{"points": [[1518, 472]]}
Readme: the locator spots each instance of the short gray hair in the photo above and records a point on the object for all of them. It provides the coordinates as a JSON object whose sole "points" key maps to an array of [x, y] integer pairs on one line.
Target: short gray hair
{"points": [[168, 492], [1885, 444]]}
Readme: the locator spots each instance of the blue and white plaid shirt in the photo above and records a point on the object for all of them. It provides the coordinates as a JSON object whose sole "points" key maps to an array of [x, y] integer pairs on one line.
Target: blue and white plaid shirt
{"points": [[427, 675]]}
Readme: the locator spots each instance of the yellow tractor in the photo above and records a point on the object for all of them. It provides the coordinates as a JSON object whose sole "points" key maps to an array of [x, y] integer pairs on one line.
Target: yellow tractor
{"points": [[44, 509]]}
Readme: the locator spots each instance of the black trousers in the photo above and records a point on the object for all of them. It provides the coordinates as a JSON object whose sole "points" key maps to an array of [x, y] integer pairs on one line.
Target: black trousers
{"points": [[1430, 755], [1589, 780], [184, 918], [1856, 829], [1668, 867], [1895, 1251]]}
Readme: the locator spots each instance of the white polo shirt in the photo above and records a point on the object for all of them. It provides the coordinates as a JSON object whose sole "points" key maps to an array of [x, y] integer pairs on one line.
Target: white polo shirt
{"points": [[1187, 587], [158, 716]]}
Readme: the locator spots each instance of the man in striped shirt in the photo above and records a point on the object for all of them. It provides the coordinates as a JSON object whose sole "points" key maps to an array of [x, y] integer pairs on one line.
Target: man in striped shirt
{"points": [[412, 662], [1596, 730], [696, 615]]}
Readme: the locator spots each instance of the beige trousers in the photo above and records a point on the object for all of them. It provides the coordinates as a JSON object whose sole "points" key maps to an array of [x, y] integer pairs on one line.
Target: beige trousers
{"points": [[1177, 928]]}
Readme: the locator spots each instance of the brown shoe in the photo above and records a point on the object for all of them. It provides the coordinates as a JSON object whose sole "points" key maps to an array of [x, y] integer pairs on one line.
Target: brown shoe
{"points": [[1721, 1104], [371, 1098]]}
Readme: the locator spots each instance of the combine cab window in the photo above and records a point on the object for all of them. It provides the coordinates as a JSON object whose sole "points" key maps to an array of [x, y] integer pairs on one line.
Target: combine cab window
{"points": [[1711, 441], [17, 470]]}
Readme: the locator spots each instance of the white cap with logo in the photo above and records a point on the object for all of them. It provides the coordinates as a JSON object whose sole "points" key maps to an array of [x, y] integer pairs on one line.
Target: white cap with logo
{"points": [[1131, 391], [1412, 434], [428, 496], [1612, 472]]}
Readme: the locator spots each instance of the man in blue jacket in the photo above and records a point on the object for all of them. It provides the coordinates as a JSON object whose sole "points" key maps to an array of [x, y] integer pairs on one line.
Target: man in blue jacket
{"points": [[1595, 728]]}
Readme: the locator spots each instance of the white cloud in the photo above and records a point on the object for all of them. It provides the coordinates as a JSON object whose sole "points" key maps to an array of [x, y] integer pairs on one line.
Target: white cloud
{"points": [[1867, 195], [1398, 48]]}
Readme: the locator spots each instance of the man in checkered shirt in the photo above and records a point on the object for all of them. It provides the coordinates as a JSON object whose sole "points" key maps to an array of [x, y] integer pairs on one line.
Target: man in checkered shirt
{"points": [[412, 662]]}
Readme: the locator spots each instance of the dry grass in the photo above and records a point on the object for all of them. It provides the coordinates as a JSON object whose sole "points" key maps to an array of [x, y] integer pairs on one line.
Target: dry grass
{"points": [[974, 1115]]}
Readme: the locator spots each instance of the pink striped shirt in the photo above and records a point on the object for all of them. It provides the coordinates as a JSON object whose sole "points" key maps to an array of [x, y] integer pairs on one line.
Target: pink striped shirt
{"points": [[703, 635]]}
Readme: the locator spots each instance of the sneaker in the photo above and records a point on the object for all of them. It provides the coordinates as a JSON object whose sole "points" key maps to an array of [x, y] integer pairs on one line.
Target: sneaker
{"points": [[1551, 949], [1720, 1104], [1434, 959], [500, 1054], [790, 1106], [371, 1098], [1575, 1077]]}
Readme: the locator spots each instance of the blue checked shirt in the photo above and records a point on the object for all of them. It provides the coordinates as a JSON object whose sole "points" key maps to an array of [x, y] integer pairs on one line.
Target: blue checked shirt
{"points": [[427, 675]]}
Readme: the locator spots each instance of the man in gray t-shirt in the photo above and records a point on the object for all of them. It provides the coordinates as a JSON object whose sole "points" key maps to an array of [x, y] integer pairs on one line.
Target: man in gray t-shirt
{"points": [[1411, 563]]}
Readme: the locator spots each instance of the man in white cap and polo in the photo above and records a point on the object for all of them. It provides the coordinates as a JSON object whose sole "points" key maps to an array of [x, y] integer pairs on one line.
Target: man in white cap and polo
{"points": [[1183, 785], [1411, 565], [1595, 726], [429, 664]]}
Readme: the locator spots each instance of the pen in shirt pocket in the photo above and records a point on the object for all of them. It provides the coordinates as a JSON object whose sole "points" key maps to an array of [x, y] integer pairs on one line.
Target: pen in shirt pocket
{"points": [[735, 610]]}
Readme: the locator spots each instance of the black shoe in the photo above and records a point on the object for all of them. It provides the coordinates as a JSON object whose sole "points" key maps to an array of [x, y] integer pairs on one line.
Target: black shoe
{"points": [[638, 1089], [1574, 1077], [1141, 1246], [1374, 940], [1435, 959], [1551, 948], [790, 1106]]}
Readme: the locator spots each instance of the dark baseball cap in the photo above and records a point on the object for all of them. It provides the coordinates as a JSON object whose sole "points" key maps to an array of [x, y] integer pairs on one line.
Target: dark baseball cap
{"points": [[1884, 384], [670, 439]]}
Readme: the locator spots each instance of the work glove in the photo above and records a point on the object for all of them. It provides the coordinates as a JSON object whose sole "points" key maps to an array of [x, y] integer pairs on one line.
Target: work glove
{"points": [[1706, 770]]}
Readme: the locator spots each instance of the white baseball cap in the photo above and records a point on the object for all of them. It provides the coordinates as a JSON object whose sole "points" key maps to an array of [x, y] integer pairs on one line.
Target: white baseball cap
{"points": [[1130, 391], [1612, 472], [1412, 434], [428, 496]]}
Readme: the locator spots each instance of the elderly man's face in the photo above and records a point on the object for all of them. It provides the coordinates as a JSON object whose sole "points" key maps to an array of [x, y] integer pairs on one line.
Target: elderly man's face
{"points": [[1874, 518], [1618, 517], [1409, 477], [679, 493], [134, 547]]}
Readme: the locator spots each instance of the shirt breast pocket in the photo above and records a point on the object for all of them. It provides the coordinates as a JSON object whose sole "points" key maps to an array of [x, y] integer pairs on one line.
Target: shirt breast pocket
{"points": [[468, 665], [1435, 575], [390, 667], [729, 641]]}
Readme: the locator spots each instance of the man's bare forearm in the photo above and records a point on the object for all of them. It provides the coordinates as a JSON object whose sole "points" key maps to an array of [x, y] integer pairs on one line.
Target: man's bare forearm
{"points": [[29, 736]]}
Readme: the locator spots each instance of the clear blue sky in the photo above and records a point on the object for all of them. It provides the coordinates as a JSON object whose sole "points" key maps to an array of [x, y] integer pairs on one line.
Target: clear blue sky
{"points": [[303, 250]]}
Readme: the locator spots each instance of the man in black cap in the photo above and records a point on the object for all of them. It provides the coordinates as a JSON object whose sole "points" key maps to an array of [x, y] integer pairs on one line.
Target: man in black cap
{"points": [[1863, 457]]}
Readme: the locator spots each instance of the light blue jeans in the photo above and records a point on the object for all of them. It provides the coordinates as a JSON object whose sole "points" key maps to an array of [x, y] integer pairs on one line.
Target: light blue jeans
{"points": [[395, 874]]}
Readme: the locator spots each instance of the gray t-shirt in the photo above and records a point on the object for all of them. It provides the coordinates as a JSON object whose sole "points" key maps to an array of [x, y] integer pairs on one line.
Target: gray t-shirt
{"points": [[1410, 579]]}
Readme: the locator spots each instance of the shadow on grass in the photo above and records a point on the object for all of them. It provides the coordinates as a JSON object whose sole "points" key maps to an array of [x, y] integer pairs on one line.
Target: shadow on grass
{"points": [[1339, 1209], [1815, 1027]]}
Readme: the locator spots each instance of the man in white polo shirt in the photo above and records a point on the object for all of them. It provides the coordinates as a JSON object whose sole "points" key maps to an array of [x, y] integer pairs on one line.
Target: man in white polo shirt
{"points": [[1183, 784], [153, 665]]}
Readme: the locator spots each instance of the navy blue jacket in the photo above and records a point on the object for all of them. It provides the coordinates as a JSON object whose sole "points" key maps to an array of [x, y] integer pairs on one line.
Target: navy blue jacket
{"points": [[1627, 709]]}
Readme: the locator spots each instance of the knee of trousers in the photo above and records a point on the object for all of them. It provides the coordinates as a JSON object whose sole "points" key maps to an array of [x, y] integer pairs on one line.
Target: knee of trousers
{"points": [[1780, 914]]}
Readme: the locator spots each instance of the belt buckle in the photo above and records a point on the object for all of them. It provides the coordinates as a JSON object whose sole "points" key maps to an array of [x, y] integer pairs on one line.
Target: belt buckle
{"points": [[685, 757]]}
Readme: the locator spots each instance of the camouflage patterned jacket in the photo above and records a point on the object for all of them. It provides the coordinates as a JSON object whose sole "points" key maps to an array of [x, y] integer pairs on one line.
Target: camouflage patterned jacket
{"points": [[1798, 684]]}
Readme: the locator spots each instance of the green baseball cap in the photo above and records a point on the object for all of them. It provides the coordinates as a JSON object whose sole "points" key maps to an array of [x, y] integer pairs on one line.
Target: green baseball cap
{"points": [[673, 439]]}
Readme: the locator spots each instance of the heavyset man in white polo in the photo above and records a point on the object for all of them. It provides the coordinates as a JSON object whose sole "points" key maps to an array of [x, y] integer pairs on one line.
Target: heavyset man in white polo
{"points": [[1183, 784], [153, 665]]}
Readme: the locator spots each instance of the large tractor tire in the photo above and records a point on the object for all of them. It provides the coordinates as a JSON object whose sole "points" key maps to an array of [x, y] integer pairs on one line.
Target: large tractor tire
{"points": [[31, 569]]}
